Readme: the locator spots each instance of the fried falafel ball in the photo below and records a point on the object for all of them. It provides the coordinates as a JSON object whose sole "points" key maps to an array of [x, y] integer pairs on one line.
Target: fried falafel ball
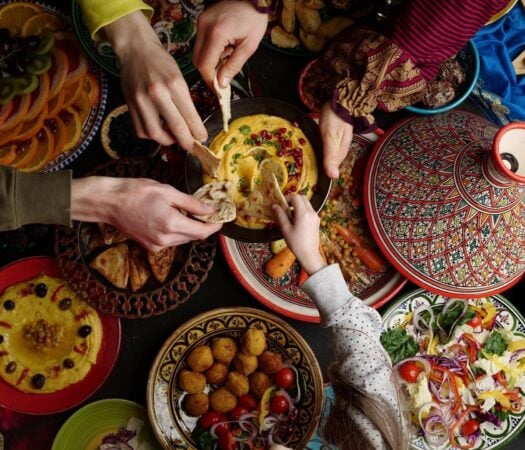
{"points": [[270, 362], [200, 358], [246, 364], [216, 374], [253, 342], [237, 383], [224, 349], [259, 382], [192, 382], [222, 400], [196, 405]]}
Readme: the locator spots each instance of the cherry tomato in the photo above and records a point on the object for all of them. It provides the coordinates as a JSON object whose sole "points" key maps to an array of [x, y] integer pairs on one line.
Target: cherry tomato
{"points": [[208, 419], [285, 378], [238, 411], [410, 371], [223, 427], [469, 427], [279, 404], [248, 401], [475, 321], [226, 441]]}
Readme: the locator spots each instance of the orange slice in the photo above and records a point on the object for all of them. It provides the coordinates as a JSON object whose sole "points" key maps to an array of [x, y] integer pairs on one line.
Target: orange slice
{"points": [[56, 104], [92, 88], [59, 136], [58, 71], [83, 107], [39, 23], [44, 152], [24, 150], [39, 98], [77, 61], [5, 110], [73, 92], [14, 15], [19, 112], [32, 127], [7, 154], [70, 120], [11, 134]]}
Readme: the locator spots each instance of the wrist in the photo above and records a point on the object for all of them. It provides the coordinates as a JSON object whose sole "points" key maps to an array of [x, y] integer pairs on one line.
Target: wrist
{"points": [[314, 264], [93, 198]]}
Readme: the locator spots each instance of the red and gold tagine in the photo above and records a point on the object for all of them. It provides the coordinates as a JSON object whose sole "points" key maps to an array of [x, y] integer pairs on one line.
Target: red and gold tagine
{"points": [[444, 197]]}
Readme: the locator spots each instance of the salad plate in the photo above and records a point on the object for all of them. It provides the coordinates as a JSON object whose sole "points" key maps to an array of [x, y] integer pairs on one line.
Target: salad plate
{"points": [[461, 364]]}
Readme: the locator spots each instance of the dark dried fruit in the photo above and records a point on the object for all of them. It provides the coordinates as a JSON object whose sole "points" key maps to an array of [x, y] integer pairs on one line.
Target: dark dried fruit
{"points": [[9, 305], [11, 367], [1, 338], [38, 381], [84, 331], [68, 363], [41, 290], [124, 141], [65, 304]]}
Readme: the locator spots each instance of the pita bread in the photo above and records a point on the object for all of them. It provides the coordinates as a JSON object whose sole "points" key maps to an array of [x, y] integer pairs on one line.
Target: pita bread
{"points": [[110, 234], [139, 270], [219, 195], [161, 262], [209, 162], [224, 95], [113, 264]]}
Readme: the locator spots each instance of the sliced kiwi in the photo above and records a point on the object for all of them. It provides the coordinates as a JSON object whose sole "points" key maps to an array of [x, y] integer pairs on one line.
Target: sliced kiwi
{"points": [[47, 40], [26, 84], [7, 90], [39, 64]]}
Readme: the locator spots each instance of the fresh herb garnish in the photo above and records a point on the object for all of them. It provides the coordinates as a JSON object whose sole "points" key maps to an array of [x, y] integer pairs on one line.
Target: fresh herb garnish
{"points": [[290, 133], [291, 168], [398, 344], [248, 141], [494, 345], [229, 145], [260, 156], [339, 181], [235, 161], [245, 129], [243, 186], [305, 190]]}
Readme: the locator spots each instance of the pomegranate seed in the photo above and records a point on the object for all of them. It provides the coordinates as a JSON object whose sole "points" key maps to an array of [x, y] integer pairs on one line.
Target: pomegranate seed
{"points": [[282, 130], [302, 141]]}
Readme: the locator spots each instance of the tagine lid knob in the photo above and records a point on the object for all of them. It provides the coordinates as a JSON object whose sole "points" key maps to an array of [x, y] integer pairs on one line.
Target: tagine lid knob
{"points": [[444, 198]]}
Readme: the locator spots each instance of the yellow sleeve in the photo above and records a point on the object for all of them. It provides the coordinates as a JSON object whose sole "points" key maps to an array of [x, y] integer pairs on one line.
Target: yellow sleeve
{"points": [[99, 13]]}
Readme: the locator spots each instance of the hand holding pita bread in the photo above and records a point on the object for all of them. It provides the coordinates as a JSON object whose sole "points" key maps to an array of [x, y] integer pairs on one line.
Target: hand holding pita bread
{"points": [[147, 211], [302, 233]]}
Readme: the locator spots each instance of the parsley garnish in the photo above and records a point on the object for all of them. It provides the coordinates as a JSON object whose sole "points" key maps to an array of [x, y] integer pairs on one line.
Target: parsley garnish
{"points": [[229, 145], [305, 190], [291, 168], [339, 181], [245, 129], [248, 141]]}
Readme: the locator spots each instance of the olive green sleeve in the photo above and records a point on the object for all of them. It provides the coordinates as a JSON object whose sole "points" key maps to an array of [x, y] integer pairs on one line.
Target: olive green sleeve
{"points": [[34, 198]]}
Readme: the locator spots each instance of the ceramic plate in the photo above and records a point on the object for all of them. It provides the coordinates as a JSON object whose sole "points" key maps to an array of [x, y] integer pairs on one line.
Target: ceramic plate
{"points": [[71, 396], [503, 12], [247, 261], [97, 419], [509, 318], [175, 20], [172, 427]]}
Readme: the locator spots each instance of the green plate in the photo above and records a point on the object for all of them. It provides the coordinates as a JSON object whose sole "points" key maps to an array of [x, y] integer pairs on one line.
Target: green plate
{"points": [[98, 419]]}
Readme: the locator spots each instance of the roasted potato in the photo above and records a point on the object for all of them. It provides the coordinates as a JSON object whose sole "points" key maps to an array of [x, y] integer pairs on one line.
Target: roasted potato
{"points": [[314, 4], [270, 362], [192, 382], [237, 383], [312, 42], [288, 15], [200, 358], [259, 382], [253, 342], [217, 373], [196, 405], [246, 364], [224, 349], [282, 39], [222, 400], [332, 27], [309, 19]]}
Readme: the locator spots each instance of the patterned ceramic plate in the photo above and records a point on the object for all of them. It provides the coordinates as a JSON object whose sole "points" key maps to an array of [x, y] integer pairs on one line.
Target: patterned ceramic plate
{"points": [[172, 426], [247, 261], [174, 22], [509, 318]]}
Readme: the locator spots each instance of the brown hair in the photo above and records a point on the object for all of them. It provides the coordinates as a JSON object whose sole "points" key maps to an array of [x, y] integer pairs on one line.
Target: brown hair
{"points": [[342, 431]]}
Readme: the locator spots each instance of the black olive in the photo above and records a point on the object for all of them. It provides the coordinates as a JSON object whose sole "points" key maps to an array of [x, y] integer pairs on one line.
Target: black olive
{"points": [[84, 331], [38, 381], [11, 367], [65, 304], [9, 305], [68, 363], [1, 338], [41, 290]]}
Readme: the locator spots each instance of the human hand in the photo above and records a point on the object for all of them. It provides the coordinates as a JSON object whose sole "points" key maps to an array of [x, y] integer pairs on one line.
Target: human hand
{"points": [[146, 210], [302, 234], [227, 28], [337, 137], [157, 95]]}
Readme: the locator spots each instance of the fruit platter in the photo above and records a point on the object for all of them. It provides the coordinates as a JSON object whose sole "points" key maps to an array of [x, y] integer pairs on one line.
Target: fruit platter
{"points": [[51, 98]]}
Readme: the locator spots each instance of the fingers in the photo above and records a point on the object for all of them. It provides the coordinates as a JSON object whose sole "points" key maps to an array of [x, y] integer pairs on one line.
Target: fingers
{"points": [[150, 119], [282, 219], [210, 54], [235, 62], [191, 204]]}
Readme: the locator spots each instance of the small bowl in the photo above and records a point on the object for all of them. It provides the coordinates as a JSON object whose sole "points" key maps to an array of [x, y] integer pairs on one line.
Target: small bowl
{"points": [[305, 96], [106, 141], [274, 107], [468, 58]]}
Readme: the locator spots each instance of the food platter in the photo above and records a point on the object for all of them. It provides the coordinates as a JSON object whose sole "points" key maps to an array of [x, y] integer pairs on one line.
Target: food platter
{"points": [[99, 418], [190, 268], [176, 19], [71, 396], [247, 262], [171, 426], [507, 318]]}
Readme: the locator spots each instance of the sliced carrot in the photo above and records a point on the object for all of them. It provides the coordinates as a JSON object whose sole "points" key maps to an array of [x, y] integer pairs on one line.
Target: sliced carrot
{"points": [[303, 276], [370, 258], [281, 263], [348, 235]]}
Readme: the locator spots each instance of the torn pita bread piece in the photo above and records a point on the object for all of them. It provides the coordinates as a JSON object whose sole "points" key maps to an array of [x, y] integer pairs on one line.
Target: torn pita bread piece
{"points": [[272, 194], [161, 262], [139, 269], [209, 162], [113, 264], [224, 95], [110, 234], [219, 195]]}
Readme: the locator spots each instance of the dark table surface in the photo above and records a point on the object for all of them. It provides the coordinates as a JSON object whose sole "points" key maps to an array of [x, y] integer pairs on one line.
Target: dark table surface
{"points": [[277, 76]]}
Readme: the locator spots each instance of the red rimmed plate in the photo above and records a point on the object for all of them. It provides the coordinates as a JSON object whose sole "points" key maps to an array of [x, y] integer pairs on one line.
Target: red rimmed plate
{"points": [[71, 396], [247, 261]]}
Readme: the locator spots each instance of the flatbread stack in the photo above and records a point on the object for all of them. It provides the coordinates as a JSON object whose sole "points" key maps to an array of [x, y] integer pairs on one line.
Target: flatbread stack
{"points": [[217, 194]]}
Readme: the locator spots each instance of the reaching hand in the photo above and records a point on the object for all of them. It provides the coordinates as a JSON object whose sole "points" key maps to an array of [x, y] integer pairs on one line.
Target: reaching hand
{"points": [[146, 210], [337, 137], [228, 28], [157, 95], [302, 234]]}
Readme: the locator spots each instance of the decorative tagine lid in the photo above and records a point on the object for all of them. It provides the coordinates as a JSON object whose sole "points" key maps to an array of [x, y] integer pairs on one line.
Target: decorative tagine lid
{"points": [[444, 197]]}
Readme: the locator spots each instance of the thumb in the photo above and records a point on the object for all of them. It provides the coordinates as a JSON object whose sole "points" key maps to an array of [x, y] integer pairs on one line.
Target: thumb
{"points": [[282, 219], [334, 155], [193, 205], [233, 64]]}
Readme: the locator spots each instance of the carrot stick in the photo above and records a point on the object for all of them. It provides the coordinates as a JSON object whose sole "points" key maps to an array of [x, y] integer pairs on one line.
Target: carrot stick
{"points": [[370, 258], [348, 235], [303, 276], [281, 263]]}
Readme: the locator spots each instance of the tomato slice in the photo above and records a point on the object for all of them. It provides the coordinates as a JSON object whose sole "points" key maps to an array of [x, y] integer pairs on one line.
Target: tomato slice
{"points": [[410, 371], [469, 427]]}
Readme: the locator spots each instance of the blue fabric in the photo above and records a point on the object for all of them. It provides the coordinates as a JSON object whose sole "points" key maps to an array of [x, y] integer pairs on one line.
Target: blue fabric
{"points": [[499, 89]]}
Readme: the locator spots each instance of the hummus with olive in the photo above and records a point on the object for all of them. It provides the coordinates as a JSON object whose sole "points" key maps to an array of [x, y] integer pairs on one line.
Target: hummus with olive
{"points": [[255, 147], [49, 338]]}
